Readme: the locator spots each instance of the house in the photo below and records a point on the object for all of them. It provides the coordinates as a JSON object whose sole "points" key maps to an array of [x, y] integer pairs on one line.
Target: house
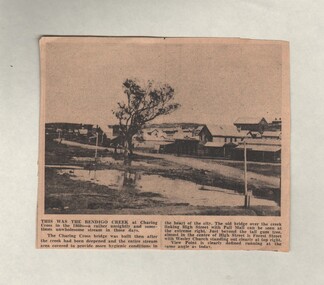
{"points": [[115, 130], [102, 132], [258, 124], [225, 138], [180, 138], [185, 146], [263, 150], [153, 133], [88, 134], [254, 135], [180, 130], [226, 133], [215, 148], [64, 127], [192, 139], [111, 135], [203, 133], [83, 132], [273, 135], [152, 140], [89, 127], [275, 125], [52, 131], [69, 131]]}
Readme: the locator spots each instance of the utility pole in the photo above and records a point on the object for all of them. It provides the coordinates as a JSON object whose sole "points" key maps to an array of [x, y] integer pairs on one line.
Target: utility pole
{"points": [[247, 196], [60, 136], [96, 155], [96, 152]]}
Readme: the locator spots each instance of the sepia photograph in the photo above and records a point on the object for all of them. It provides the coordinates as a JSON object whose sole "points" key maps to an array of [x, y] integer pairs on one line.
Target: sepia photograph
{"points": [[162, 126], [142, 136]]}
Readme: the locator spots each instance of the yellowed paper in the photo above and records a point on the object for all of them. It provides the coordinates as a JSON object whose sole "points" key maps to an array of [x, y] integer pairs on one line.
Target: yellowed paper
{"points": [[164, 143]]}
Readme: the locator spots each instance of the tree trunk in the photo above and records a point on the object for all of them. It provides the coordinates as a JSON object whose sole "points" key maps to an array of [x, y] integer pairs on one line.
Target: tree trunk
{"points": [[130, 146], [128, 150]]}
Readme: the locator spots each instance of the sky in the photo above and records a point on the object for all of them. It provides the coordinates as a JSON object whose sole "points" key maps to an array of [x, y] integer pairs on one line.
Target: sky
{"points": [[215, 81]]}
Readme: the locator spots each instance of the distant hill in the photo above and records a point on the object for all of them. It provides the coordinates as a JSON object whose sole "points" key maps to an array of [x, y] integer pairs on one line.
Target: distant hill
{"points": [[174, 125]]}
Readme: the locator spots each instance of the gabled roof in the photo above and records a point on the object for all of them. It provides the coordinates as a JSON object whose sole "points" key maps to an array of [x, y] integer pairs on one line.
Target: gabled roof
{"points": [[182, 135], [261, 142], [170, 130], [249, 120], [173, 125], [271, 134], [151, 131], [254, 134], [226, 131], [180, 131], [197, 130], [214, 144], [265, 148], [105, 129], [108, 131]]}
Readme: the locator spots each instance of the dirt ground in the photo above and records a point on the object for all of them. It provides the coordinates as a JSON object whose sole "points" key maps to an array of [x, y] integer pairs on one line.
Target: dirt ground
{"points": [[65, 195]]}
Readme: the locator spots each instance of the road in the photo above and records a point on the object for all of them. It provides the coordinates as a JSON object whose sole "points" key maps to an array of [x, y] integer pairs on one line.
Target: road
{"points": [[82, 145], [223, 170]]}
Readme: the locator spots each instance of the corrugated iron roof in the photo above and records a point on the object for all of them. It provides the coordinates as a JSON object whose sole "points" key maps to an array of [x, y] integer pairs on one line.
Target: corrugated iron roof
{"points": [[266, 148], [151, 144], [214, 144], [226, 131], [261, 142], [248, 120], [271, 134], [105, 129]]}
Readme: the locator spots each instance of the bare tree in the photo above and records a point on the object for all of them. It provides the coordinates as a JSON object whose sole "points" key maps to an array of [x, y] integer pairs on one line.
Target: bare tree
{"points": [[144, 104]]}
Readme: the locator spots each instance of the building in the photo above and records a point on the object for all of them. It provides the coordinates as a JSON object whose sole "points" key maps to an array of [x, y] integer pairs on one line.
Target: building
{"points": [[215, 149], [273, 135], [226, 133], [109, 135], [152, 139], [254, 135], [179, 138], [257, 124], [185, 146], [68, 131], [225, 138], [263, 150], [275, 125], [180, 130]]}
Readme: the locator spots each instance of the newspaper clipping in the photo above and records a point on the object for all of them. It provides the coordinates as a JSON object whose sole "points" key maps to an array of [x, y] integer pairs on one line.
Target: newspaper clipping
{"points": [[164, 143]]}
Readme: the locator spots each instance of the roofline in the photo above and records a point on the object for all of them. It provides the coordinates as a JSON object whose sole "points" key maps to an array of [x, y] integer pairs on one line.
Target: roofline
{"points": [[262, 118]]}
